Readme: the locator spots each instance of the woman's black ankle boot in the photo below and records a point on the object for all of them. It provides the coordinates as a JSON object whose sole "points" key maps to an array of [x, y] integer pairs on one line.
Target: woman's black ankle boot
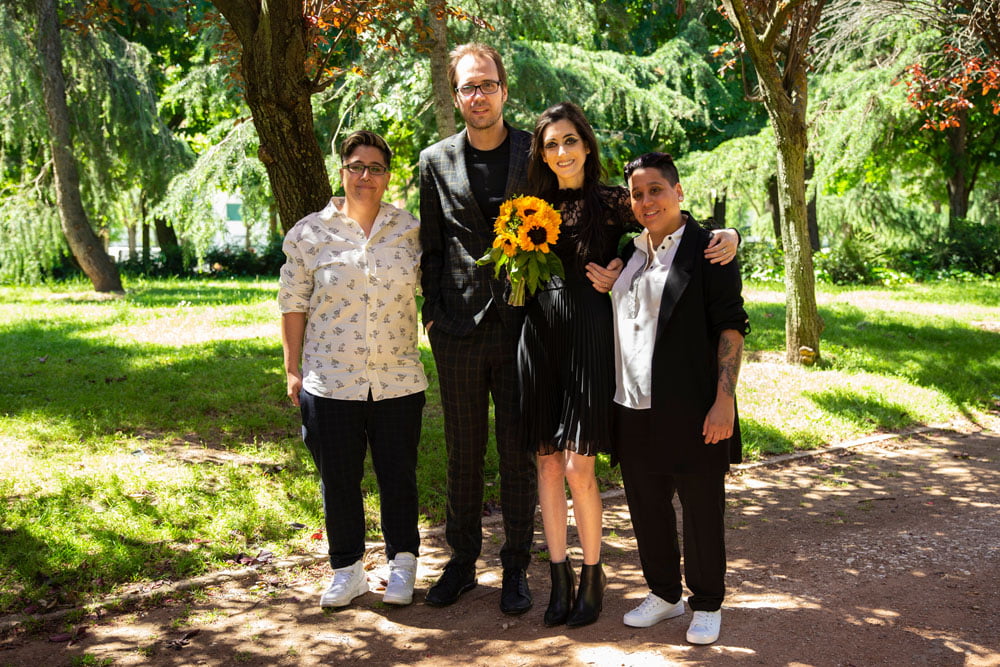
{"points": [[561, 597], [590, 597]]}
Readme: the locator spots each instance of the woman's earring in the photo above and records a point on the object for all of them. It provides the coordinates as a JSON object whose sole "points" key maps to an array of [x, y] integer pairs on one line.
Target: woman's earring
{"points": [[681, 198]]}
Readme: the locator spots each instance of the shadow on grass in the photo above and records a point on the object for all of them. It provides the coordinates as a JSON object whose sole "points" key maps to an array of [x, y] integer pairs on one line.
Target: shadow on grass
{"points": [[959, 361], [217, 392], [761, 439], [71, 393], [865, 411], [87, 535]]}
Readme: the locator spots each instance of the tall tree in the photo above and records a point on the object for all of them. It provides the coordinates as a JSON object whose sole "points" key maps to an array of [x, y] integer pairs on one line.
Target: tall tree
{"points": [[444, 108], [83, 242], [291, 50], [275, 44], [950, 63], [775, 37]]}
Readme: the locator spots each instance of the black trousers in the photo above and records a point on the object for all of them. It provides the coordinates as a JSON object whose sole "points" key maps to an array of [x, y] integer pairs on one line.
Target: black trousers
{"points": [[650, 494], [338, 434], [471, 369]]}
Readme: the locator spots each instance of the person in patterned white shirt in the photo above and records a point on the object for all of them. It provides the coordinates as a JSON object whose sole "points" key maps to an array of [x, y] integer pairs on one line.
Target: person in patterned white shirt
{"points": [[349, 333]]}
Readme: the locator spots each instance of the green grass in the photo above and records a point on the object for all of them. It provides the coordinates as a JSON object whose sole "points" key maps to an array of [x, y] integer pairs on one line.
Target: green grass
{"points": [[149, 437]]}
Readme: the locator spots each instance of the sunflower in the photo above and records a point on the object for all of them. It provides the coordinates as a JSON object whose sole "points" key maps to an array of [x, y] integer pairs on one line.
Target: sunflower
{"points": [[525, 229], [528, 206], [508, 242], [505, 222], [537, 232]]}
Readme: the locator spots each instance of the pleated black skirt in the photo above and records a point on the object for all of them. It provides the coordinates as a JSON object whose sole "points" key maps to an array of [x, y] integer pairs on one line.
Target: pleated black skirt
{"points": [[567, 371]]}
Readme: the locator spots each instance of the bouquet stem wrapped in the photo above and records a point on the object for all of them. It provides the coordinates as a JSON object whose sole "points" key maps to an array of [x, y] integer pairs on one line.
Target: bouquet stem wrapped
{"points": [[525, 229]]}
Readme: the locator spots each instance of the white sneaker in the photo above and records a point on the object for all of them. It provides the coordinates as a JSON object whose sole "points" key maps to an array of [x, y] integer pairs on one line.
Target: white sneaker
{"points": [[347, 583], [705, 626], [402, 574], [653, 610]]}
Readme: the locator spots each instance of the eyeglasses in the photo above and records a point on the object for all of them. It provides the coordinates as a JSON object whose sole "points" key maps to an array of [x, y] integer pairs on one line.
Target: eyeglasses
{"points": [[487, 87], [359, 168]]}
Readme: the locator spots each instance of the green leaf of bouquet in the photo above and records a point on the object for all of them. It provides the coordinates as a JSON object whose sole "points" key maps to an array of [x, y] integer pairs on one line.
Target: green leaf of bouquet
{"points": [[490, 257], [532, 274], [556, 265], [543, 271]]}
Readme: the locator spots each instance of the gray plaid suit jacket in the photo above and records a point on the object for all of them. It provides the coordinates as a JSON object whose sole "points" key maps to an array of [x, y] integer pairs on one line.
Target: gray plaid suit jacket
{"points": [[454, 233]]}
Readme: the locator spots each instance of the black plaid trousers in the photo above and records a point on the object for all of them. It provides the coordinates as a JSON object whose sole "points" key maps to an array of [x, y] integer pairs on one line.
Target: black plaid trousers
{"points": [[338, 434], [474, 339]]}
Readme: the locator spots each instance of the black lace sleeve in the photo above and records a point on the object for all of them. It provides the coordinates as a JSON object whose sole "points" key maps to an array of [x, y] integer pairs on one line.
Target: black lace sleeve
{"points": [[620, 204]]}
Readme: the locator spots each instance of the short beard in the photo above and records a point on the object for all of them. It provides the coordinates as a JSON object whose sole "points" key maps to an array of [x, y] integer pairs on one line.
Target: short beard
{"points": [[482, 123]]}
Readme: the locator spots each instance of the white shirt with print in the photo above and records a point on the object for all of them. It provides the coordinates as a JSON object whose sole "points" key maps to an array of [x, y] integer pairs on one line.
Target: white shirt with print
{"points": [[358, 295]]}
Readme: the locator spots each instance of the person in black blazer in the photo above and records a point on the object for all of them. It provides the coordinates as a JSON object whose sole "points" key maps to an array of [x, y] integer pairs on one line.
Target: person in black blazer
{"points": [[679, 328], [472, 331]]}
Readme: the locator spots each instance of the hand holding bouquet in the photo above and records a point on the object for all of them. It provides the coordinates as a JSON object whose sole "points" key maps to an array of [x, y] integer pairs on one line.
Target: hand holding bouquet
{"points": [[525, 229]]}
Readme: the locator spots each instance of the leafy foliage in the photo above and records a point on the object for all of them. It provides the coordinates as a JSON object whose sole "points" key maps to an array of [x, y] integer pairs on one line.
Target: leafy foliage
{"points": [[231, 262], [120, 142]]}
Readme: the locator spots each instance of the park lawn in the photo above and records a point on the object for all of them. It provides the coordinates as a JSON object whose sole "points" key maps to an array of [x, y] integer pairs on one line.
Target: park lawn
{"points": [[148, 436]]}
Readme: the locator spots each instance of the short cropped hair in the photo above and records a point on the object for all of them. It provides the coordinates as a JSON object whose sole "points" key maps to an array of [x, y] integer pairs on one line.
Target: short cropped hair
{"points": [[365, 138], [661, 161], [475, 49]]}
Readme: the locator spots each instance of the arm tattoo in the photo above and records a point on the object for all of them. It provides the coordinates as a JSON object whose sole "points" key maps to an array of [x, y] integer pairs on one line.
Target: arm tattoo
{"points": [[730, 357]]}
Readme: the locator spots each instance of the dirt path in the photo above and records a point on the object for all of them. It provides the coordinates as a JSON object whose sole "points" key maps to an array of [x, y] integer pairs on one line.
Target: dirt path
{"points": [[884, 554]]}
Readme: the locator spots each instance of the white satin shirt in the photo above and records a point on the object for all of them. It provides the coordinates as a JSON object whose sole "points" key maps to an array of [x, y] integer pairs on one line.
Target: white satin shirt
{"points": [[635, 300]]}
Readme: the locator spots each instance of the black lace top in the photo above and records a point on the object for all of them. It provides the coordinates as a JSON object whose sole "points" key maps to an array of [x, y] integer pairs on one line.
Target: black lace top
{"points": [[590, 238]]}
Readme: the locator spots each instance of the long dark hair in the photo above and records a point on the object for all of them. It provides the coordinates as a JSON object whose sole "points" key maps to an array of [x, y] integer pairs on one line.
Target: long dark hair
{"points": [[542, 181]]}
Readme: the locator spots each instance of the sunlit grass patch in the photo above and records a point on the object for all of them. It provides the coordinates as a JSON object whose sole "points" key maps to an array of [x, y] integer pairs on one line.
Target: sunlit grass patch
{"points": [[149, 437]]}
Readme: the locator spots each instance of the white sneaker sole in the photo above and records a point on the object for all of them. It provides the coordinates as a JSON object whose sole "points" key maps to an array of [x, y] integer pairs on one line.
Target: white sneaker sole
{"points": [[650, 622], [398, 599], [341, 602]]}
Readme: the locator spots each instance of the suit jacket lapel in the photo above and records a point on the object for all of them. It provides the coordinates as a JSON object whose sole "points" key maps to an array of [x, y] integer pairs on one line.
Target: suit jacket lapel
{"points": [[679, 276], [458, 178]]}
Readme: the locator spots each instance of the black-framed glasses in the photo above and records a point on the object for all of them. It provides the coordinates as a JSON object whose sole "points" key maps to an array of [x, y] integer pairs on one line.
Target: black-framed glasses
{"points": [[488, 87], [359, 168]]}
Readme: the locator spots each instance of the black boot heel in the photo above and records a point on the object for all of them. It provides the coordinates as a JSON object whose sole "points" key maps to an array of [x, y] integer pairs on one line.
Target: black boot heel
{"points": [[561, 597], [590, 597]]}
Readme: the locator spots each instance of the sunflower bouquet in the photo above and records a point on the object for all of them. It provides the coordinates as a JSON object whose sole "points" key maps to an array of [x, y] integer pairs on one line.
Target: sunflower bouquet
{"points": [[525, 229]]}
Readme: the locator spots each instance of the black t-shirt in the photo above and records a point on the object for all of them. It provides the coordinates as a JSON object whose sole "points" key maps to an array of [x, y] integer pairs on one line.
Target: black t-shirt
{"points": [[488, 176]]}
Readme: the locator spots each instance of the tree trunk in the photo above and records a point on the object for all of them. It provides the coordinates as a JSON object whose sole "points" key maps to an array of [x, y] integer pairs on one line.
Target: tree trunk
{"points": [[133, 250], [145, 243], [279, 95], [811, 216], [272, 223], [171, 255], [959, 184], [802, 322], [145, 229], [80, 236], [775, 205], [785, 96], [444, 104], [719, 210]]}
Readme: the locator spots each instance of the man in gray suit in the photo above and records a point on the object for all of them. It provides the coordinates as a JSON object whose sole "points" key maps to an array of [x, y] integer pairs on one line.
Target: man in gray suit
{"points": [[472, 330]]}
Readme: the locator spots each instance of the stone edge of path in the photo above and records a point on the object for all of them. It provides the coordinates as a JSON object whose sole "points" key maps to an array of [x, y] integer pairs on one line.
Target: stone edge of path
{"points": [[11, 622]]}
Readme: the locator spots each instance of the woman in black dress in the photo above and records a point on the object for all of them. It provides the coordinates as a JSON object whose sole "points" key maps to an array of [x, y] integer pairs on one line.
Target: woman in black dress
{"points": [[565, 358]]}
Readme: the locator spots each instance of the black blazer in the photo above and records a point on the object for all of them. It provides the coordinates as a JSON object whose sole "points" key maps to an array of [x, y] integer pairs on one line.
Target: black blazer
{"points": [[700, 300], [454, 233]]}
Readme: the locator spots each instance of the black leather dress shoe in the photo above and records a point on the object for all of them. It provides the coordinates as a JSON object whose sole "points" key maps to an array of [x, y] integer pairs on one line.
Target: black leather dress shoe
{"points": [[515, 598], [455, 580]]}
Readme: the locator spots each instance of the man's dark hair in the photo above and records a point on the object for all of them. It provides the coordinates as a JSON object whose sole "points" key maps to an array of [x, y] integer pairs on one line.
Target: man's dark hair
{"points": [[365, 138], [661, 161]]}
